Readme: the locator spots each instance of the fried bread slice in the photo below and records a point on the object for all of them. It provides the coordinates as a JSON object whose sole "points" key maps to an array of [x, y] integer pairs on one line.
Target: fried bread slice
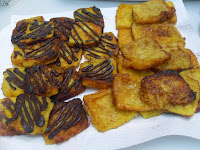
{"points": [[24, 114], [107, 47], [13, 82], [174, 17], [124, 18], [124, 37], [98, 73], [193, 58], [153, 11], [103, 113], [131, 71], [69, 87], [40, 53], [67, 119], [189, 109], [62, 27], [42, 80], [143, 53], [84, 34], [126, 93], [21, 27], [91, 14], [165, 34], [180, 60], [68, 56], [152, 113], [166, 87], [38, 31]]}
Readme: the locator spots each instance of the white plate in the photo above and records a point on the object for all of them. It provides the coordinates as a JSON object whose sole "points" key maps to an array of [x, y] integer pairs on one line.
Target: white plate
{"points": [[137, 130]]}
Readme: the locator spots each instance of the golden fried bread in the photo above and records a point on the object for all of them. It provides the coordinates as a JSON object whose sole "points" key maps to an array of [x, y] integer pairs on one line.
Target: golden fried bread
{"points": [[98, 73], [131, 71], [72, 122], [144, 53], [124, 37], [152, 113], [124, 18], [166, 87], [165, 33], [193, 58], [189, 109], [13, 82], [24, 114], [62, 27], [179, 60], [126, 93], [40, 53], [69, 87], [84, 34], [107, 47], [38, 31], [91, 14], [42, 80], [68, 56], [103, 113], [174, 17], [153, 11], [21, 27]]}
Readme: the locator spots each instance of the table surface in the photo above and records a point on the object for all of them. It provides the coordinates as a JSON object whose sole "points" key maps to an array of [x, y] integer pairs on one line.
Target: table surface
{"points": [[28, 7]]}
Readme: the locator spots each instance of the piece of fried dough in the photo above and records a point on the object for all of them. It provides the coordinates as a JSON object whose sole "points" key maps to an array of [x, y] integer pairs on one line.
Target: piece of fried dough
{"points": [[124, 17], [153, 11], [174, 17], [70, 86], [152, 113], [74, 122], [103, 113], [143, 53], [17, 57], [131, 71], [13, 82], [24, 114], [193, 58], [126, 93], [165, 34], [189, 109], [98, 73], [179, 60], [68, 56], [107, 47], [166, 87], [92, 14], [124, 37], [84, 34]]}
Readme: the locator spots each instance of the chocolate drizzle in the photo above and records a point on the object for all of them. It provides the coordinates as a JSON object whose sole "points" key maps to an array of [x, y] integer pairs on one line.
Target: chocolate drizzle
{"points": [[67, 115], [104, 47], [14, 79], [27, 108], [102, 71], [38, 78], [39, 30], [96, 17]]}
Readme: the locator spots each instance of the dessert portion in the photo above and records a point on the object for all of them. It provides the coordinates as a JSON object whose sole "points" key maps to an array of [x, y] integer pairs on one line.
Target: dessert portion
{"points": [[124, 37], [107, 47], [98, 73], [67, 119], [24, 114], [103, 113]]}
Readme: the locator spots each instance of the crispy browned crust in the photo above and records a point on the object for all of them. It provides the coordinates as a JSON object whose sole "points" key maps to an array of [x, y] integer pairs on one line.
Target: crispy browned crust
{"points": [[97, 84], [166, 87], [73, 130], [193, 58]]}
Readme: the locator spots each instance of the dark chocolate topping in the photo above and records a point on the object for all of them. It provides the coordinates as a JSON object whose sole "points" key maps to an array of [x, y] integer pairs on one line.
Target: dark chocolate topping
{"points": [[14, 79], [96, 17], [67, 115], [28, 113], [102, 71]]}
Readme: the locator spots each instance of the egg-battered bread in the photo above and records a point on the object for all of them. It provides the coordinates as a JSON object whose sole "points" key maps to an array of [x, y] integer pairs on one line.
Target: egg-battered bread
{"points": [[67, 119], [152, 113], [103, 113], [24, 114], [98, 73], [174, 17], [124, 37]]}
